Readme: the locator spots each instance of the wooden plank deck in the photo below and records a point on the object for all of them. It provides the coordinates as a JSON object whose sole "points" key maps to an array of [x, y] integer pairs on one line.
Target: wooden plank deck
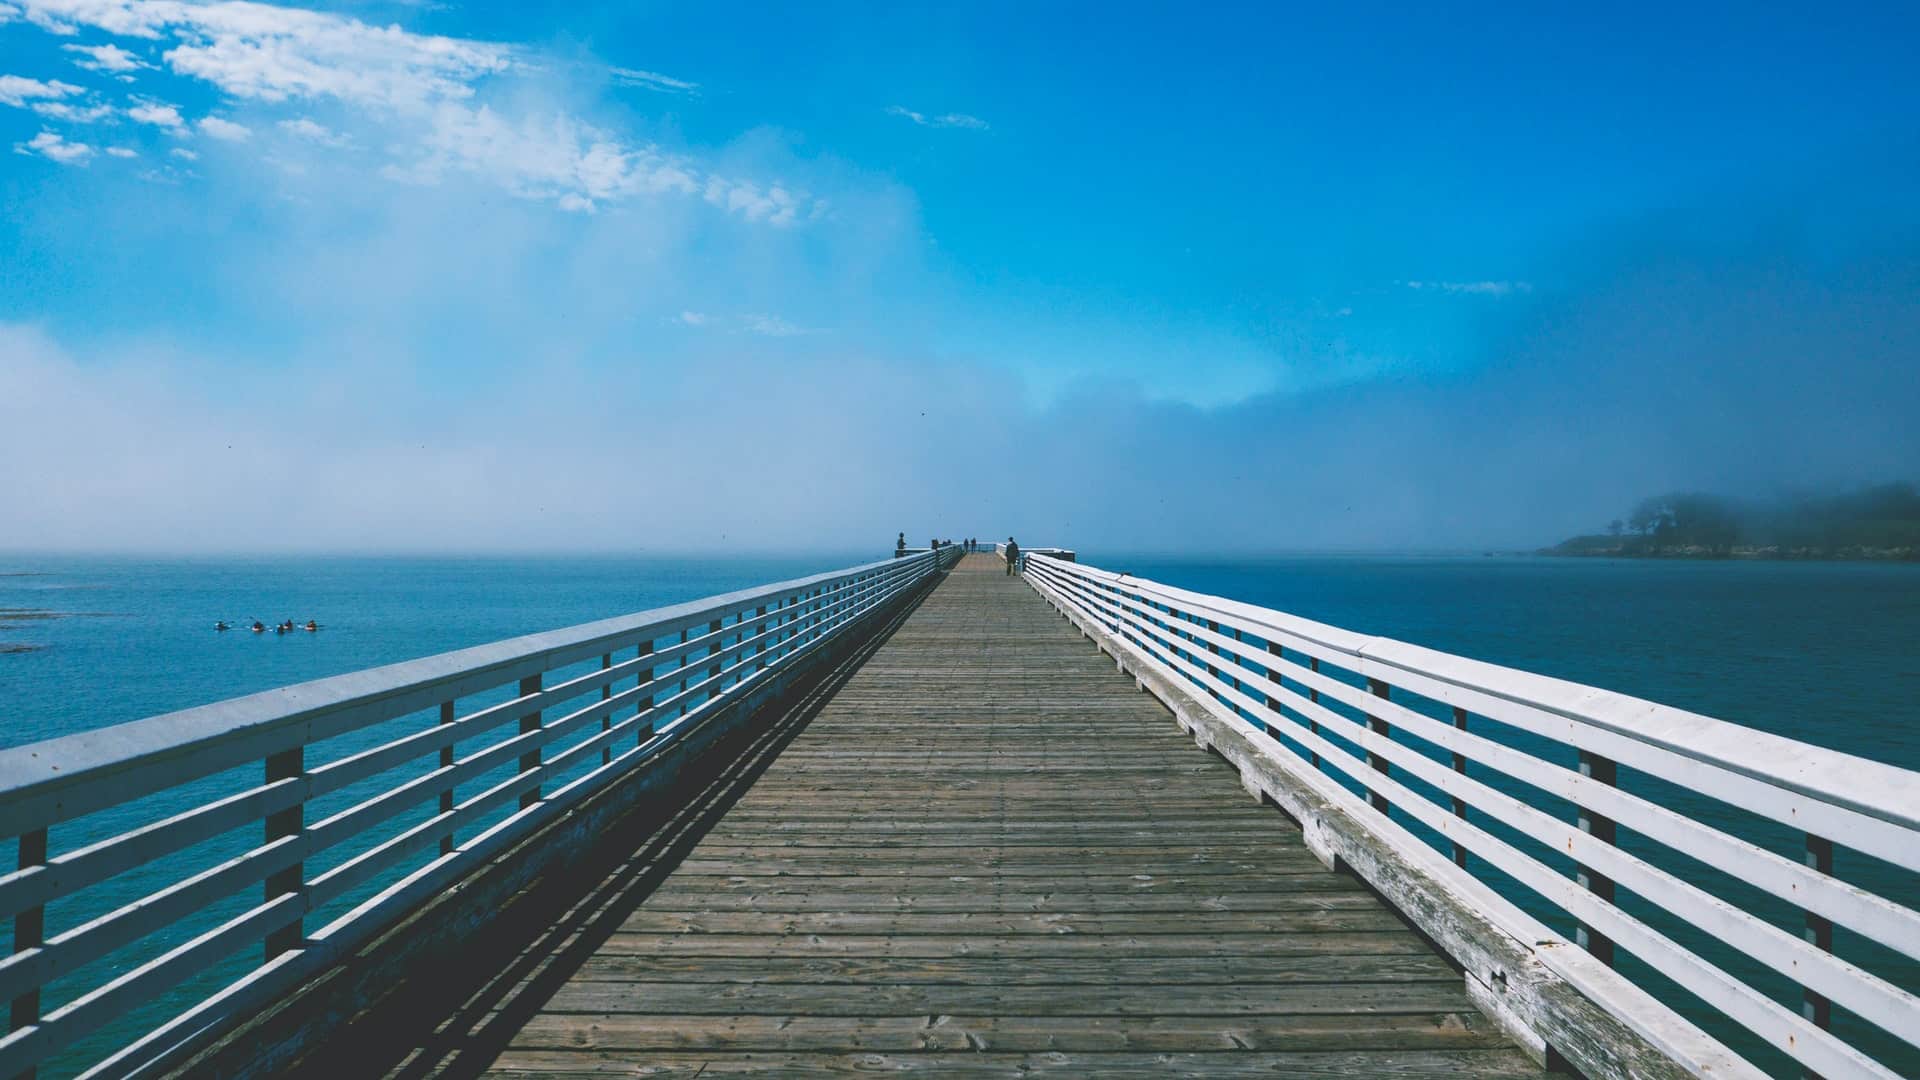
{"points": [[985, 854]]}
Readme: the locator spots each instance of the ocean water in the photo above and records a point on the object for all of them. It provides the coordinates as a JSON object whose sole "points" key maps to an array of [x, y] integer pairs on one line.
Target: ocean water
{"points": [[134, 637], [1823, 652]]}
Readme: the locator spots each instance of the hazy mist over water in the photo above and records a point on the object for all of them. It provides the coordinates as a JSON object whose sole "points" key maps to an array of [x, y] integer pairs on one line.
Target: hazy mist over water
{"points": [[1761, 342]]}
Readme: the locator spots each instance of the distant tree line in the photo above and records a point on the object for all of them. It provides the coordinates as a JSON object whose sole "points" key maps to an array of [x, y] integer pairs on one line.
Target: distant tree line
{"points": [[1874, 522]]}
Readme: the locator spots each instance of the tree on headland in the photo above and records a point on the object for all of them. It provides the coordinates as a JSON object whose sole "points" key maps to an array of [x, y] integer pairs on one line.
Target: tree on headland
{"points": [[1873, 522]]}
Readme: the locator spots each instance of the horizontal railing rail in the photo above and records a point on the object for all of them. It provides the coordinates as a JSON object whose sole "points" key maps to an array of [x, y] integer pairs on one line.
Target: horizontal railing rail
{"points": [[357, 821], [1518, 776]]}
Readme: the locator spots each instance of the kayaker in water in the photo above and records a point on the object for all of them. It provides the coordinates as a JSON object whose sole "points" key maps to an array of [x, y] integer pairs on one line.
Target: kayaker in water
{"points": [[311, 626], [259, 627], [222, 625]]}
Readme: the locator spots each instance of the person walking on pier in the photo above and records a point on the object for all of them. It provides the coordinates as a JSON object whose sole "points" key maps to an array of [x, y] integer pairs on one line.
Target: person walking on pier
{"points": [[1013, 556]]}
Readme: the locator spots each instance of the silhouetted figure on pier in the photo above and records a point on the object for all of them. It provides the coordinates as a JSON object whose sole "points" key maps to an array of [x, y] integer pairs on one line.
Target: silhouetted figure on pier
{"points": [[900, 545], [1013, 556]]}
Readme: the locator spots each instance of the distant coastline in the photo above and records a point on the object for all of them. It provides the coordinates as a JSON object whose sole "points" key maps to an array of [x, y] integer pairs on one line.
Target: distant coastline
{"points": [[1609, 547], [1877, 524]]}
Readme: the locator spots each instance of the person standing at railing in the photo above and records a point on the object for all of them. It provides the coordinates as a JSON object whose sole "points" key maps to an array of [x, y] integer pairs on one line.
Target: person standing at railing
{"points": [[1013, 556], [900, 546]]}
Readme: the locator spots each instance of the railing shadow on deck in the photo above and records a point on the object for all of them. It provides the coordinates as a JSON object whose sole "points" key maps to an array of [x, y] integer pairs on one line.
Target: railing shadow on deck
{"points": [[455, 1022]]}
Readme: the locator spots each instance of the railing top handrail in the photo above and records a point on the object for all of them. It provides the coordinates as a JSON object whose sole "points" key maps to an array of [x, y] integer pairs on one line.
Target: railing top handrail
{"points": [[36, 770], [1876, 789]]}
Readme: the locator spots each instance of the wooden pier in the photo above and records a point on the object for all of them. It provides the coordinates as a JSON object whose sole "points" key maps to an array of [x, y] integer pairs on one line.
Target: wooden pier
{"points": [[989, 854], [922, 815]]}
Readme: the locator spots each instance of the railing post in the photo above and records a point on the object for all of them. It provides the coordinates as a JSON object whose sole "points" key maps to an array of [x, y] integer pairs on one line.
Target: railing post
{"points": [[1600, 827], [606, 722], [1313, 664], [530, 760], [760, 641], [1459, 804], [286, 765], [29, 931], [1212, 671], [446, 762], [1274, 676], [683, 665], [713, 651], [1818, 932], [783, 625], [1384, 730], [643, 702]]}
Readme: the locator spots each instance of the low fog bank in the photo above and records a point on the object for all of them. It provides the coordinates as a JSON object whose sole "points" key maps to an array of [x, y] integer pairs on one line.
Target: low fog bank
{"points": [[1693, 352]]}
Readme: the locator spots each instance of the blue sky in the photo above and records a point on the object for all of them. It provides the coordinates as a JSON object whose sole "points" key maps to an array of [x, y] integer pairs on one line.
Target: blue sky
{"points": [[537, 242]]}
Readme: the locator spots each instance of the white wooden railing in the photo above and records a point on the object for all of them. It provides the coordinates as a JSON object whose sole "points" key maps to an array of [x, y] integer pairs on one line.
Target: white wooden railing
{"points": [[352, 798], [1580, 797]]}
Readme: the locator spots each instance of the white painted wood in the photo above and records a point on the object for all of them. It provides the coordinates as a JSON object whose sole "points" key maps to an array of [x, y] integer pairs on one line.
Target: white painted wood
{"points": [[1876, 917], [763, 635], [1776, 778]]}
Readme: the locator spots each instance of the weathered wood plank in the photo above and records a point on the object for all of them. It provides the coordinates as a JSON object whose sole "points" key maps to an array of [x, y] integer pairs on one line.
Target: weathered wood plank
{"points": [[1024, 945], [894, 999], [990, 855], [1201, 921], [1018, 1034], [1025, 971], [1312, 1066]]}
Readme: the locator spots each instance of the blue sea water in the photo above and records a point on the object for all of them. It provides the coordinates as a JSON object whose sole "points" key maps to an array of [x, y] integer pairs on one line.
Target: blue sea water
{"points": [[1827, 653], [137, 635]]}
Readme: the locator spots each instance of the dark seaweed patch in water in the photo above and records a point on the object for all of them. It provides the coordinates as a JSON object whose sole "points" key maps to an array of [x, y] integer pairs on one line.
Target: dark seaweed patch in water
{"points": [[11, 617]]}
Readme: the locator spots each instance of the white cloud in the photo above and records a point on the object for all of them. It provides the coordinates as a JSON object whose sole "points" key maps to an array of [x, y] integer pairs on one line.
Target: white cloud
{"points": [[123, 151], [773, 326], [1476, 288], [183, 154], [305, 128], [417, 92], [215, 127], [49, 99], [945, 120], [774, 205], [8, 13], [563, 159], [107, 59], [18, 91], [158, 113], [653, 80], [275, 53], [73, 114], [54, 148]]}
